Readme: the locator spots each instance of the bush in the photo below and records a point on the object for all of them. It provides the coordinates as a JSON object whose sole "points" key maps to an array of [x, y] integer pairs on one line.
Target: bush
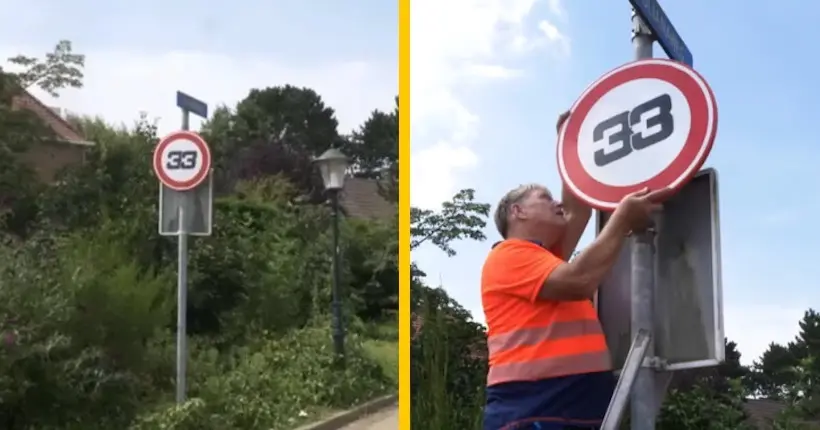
{"points": [[87, 317], [701, 407], [274, 383], [76, 314], [448, 364]]}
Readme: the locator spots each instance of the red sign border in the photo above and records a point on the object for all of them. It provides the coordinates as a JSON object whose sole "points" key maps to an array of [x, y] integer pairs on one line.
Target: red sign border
{"points": [[198, 177], [696, 149]]}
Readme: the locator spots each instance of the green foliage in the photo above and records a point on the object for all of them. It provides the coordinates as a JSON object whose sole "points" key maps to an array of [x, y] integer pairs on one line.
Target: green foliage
{"points": [[116, 180], [460, 218], [264, 265], [373, 150], [273, 383], [791, 373], [372, 250], [273, 131], [21, 131], [448, 364], [76, 313], [59, 69], [87, 303], [702, 408]]}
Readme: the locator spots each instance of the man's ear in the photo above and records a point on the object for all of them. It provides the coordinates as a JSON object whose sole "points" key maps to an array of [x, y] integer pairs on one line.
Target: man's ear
{"points": [[515, 211]]}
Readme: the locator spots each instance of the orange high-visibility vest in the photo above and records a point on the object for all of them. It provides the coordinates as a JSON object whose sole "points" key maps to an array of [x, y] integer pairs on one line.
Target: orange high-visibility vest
{"points": [[529, 338]]}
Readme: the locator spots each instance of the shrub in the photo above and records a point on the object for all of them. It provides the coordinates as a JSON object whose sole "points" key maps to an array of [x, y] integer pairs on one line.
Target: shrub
{"points": [[77, 314], [448, 365], [274, 383]]}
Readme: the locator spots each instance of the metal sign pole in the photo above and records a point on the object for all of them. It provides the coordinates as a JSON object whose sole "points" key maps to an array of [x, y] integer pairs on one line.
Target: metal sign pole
{"points": [[182, 163], [182, 292], [643, 405]]}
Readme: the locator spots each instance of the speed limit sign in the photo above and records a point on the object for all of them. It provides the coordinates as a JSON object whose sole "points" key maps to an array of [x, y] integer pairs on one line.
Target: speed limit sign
{"points": [[649, 123], [182, 160]]}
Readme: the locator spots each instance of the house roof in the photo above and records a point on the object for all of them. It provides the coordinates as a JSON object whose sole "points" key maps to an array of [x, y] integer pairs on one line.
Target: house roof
{"points": [[762, 412], [63, 129], [361, 198]]}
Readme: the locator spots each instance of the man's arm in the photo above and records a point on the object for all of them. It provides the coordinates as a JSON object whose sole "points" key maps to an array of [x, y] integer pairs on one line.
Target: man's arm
{"points": [[578, 279]]}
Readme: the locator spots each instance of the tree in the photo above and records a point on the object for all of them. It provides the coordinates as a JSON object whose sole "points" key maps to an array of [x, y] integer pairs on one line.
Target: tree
{"points": [[775, 372], [448, 363], [60, 69], [374, 150], [460, 218], [298, 116], [710, 398], [21, 130], [792, 373], [448, 350], [276, 130]]}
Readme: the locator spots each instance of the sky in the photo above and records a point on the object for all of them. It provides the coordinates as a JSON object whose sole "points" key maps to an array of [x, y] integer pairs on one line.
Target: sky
{"points": [[139, 54], [489, 78]]}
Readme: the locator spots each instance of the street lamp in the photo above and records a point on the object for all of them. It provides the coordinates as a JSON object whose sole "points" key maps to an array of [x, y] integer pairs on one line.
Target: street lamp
{"points": [[333, 167]]}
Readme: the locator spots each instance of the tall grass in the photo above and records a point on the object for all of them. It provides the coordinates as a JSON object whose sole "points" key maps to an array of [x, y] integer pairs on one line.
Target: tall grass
{"points": [[447, 376]]}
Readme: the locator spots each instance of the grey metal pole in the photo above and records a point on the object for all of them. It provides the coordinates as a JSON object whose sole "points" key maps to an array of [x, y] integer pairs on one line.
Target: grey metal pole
{"points": [[338, 329], [182, 294], [643, 405]]}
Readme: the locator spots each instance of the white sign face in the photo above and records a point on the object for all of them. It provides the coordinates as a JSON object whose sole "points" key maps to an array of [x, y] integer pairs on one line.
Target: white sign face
{"points": [[182, 160], [601, 149], [650, 123]]}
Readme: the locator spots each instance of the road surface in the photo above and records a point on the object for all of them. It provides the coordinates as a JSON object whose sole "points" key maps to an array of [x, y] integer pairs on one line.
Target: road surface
{"points": [[387, 419]]}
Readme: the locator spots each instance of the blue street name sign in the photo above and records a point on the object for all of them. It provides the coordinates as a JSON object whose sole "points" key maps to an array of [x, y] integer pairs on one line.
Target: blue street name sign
{"points": [[663, 30], [190, 104]]}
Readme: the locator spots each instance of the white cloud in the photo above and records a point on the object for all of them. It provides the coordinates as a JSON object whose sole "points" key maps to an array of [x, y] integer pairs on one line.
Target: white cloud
{"points": [[119, 85], [492, 71], [441, 160], [455, 45], [550, 31], [556, 8]]}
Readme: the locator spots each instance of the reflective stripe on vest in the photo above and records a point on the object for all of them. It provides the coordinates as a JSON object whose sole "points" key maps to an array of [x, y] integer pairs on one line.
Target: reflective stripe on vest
{"points": [[559, 349], [551, 367]]}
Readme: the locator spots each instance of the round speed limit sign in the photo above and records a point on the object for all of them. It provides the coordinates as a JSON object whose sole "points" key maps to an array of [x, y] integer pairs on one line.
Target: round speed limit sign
{"points": [[649, 123], [182, 160]]}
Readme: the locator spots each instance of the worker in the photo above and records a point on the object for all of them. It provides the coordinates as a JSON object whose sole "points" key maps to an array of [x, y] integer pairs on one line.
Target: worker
{"points": [[549, 366]]}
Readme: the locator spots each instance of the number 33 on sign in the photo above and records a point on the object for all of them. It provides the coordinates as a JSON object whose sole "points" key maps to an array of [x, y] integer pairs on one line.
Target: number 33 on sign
{"points": [[649, 123], [182, 160]]}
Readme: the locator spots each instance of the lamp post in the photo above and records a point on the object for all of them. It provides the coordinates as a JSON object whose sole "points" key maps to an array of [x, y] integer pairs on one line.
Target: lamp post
{"points": [[333, 167]]}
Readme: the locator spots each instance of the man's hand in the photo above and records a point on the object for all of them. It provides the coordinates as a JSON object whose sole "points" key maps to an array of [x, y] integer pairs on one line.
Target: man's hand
{"points": [[635, 209], [561, 120]]}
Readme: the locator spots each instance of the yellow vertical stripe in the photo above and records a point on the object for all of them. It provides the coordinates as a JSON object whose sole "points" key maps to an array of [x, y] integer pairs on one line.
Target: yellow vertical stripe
{"points": [[404, 214]]}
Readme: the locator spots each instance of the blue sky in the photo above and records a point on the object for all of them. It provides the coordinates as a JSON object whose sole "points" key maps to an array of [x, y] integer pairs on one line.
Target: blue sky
{"points": [[139, 54], [516, 64]]}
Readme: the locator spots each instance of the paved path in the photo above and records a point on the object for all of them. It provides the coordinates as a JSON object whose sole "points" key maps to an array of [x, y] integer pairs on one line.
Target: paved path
{"points": [[387, 419]]}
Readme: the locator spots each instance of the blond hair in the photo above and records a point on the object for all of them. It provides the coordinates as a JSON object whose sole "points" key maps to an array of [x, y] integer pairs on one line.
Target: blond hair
{"points": [[502, 211]]}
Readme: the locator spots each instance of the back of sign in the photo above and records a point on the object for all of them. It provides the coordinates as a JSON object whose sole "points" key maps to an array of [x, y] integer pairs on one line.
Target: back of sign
{"points": [[688, 329]]}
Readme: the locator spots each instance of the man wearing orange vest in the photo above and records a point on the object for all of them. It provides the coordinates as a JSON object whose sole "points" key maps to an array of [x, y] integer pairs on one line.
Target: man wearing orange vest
{"points": [[549, 363]]}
